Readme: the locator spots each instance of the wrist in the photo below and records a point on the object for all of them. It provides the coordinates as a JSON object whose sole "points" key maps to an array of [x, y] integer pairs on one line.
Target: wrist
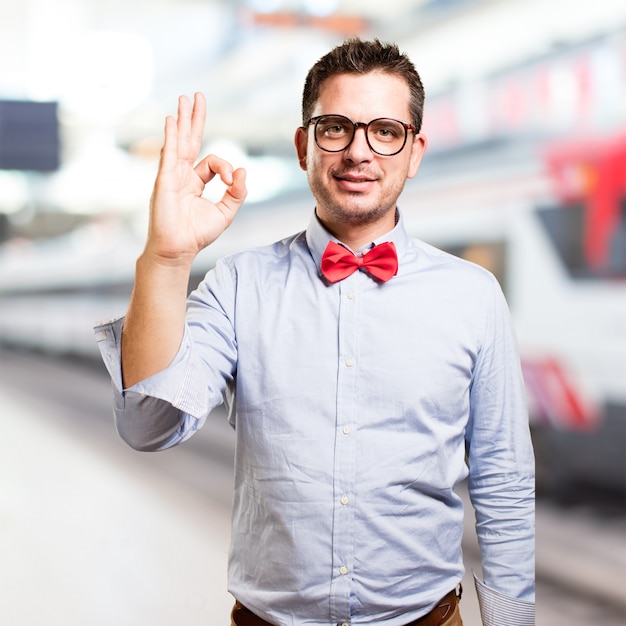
{"points": [[150, 260], [166, 276]]}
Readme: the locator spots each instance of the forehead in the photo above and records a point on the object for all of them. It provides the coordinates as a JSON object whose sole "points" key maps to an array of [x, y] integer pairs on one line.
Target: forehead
{"points": [[363, 97]]}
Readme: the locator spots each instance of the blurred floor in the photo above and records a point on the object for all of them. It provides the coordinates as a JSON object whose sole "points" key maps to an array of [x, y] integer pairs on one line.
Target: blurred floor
{"points": [[93, 539], [95, 534]]}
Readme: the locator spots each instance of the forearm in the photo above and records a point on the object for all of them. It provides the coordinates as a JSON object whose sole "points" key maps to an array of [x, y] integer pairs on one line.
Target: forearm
{"points": [[155, 321], [505, 529]]}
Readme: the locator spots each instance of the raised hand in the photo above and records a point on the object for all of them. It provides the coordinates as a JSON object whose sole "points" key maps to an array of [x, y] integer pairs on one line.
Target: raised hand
{"points": [[182, 222]]}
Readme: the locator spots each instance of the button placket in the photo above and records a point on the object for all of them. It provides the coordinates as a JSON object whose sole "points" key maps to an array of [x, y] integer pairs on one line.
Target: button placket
{"points": [[345, 447]]}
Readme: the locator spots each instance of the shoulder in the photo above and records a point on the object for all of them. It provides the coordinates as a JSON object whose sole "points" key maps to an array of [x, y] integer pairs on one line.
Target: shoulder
{"points": [[263, 261], [266, 253], [425, 257], [248, 267]]}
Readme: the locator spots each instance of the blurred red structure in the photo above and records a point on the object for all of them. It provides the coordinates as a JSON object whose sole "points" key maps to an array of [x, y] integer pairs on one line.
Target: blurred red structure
{"points": [[593, 172]]}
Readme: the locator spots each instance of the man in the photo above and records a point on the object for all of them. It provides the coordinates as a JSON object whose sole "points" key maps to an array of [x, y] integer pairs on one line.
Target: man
{"points": [[361, 369]]}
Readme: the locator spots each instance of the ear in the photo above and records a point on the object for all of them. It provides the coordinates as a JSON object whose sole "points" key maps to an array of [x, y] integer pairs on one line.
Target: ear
{"points": [[417, 152], [301, 141]]}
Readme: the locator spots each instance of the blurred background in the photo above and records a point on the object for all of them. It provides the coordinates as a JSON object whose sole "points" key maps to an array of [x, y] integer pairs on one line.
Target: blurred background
{"points": [[525, 174]]}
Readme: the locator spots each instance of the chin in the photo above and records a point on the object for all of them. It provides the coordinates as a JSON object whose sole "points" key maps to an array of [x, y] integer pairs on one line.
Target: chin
{"points": [[358, 214]]}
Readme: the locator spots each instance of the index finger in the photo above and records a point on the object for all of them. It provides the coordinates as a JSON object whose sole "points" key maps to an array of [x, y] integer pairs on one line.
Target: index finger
{"points": [[212, 165]]}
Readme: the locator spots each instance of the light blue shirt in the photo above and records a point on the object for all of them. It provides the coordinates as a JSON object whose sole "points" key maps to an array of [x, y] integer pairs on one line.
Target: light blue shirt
{"points": [[358, 408]]}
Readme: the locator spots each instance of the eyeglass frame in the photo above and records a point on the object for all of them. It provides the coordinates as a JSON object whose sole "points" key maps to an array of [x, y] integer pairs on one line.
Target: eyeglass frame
{"points": [[356, 125]]}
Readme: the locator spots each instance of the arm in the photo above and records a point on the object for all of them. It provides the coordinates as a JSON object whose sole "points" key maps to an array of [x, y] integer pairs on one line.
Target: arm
{"points": [[168, 407], [501, 480], [182, 223]]}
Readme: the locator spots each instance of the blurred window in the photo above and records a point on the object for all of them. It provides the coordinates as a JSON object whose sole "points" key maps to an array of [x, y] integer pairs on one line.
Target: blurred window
{"points": [[569, 229], [29, 136], [491, 255]]}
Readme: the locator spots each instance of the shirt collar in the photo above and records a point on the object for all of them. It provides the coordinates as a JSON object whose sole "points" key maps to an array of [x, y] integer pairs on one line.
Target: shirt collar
{"points": [[317, 238]]}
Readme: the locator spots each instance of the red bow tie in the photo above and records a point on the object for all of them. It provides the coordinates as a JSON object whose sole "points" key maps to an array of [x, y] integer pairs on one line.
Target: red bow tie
{"points": [[339, 263]]}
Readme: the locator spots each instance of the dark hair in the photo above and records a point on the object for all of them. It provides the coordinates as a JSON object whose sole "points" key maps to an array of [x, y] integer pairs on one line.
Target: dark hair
{"points": [[355, 56]]}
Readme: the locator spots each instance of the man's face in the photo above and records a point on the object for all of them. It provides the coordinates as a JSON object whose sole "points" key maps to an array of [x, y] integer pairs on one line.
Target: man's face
{"points": [[358, 186]]}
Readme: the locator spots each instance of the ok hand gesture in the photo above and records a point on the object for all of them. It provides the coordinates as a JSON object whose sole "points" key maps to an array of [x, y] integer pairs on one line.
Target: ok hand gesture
{"points": [[182, 222]]}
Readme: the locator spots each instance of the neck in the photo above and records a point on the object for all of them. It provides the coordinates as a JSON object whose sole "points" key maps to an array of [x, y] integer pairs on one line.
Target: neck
{"points": [[357, 235]]}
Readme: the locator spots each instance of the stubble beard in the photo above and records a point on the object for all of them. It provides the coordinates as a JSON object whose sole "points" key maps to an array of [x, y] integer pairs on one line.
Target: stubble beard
{"points": [[353, 209]]}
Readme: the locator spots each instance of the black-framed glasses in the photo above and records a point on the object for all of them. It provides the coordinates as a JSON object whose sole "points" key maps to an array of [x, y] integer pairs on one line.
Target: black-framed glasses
{"points": [[385, 136]]}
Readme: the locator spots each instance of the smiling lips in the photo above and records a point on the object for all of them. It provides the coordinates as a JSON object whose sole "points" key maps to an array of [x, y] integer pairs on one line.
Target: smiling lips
{"points": [[354, 182]]}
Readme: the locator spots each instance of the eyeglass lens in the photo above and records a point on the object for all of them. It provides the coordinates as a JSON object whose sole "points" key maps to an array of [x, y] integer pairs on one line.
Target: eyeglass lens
{"points": [[384, 136]]}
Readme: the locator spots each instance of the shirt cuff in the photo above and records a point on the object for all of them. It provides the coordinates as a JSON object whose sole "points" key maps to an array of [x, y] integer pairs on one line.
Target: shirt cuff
{"points": [[108, 335], [149, 415], [498, 609], [175, 384]]}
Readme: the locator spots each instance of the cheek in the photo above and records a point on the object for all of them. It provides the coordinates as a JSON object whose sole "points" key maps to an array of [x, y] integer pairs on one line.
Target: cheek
{"points": [[317, 166], [400, 173]]}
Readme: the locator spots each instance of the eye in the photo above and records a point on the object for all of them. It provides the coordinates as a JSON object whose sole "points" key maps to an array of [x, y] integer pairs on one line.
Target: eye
{"points": [[333, 128], [336, 129], [386, 130]]}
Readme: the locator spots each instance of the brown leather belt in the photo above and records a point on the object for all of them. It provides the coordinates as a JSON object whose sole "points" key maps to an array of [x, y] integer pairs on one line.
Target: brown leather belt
{"points": [[440, 613], [241, 616]]}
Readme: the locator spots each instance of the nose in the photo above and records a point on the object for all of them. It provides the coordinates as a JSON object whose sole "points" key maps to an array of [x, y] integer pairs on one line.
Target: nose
{"points": [[359, 150]]}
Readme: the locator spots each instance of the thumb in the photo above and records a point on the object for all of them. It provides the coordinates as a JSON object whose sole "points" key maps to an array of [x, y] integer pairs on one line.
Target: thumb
{"points": [[236, 192]]}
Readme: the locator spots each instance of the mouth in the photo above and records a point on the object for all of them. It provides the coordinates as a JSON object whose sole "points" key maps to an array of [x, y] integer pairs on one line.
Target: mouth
{"points": [[354, 182]]}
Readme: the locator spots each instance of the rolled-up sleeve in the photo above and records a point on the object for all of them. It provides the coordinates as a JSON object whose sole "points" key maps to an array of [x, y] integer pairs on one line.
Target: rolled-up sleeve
{"points": [[168, 407], [160, 411]]}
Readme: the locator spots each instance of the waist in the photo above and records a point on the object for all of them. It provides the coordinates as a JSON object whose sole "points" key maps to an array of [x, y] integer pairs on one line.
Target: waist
{"points": [[440, 613], [242, 616]]}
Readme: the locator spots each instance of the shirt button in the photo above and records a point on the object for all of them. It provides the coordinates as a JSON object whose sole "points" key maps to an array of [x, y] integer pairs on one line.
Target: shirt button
{"points": [[351, 295], [346, 430], [343, 570], [349, 362], [344, 500]]}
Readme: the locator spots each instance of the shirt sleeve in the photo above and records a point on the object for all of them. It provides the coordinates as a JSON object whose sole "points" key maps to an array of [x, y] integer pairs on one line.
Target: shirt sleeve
{"points": [[500, 458], [497, 609], [146, 415], [169, 407]]}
